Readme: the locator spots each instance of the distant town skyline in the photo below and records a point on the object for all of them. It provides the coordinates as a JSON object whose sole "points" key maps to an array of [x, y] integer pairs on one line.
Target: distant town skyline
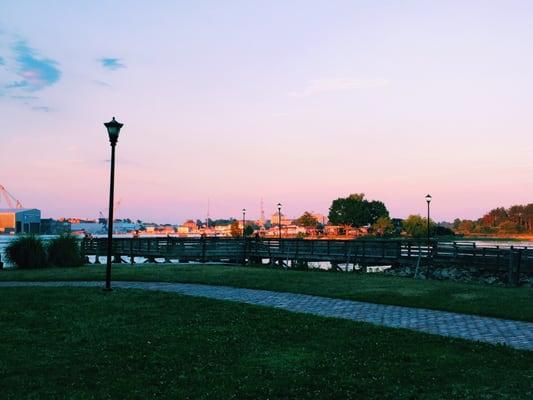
{"points": [[298, 103]]}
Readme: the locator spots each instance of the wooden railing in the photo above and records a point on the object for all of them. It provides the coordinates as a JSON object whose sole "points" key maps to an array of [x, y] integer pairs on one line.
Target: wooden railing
{"points": [[364, 252]]}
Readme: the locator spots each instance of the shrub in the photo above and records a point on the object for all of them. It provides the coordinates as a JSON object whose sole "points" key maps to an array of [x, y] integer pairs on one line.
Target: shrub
{"points": [[26, 252], [64, 251]]}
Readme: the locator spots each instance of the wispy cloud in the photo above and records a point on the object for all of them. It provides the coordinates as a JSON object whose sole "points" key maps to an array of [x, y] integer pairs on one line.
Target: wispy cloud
{"points": [[17, 97], [101, 83], [42, 108], [112, 63], [325, 85], [36, 72]]}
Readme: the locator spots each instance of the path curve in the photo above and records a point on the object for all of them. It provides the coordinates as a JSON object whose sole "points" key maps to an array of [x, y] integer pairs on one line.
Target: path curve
{"points": [[516, 334]]}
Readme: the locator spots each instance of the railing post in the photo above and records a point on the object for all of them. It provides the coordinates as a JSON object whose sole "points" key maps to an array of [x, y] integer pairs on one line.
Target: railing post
{"points": [[510, 278], [203, 239], [132, 258], [96, 250], [244, 244]]}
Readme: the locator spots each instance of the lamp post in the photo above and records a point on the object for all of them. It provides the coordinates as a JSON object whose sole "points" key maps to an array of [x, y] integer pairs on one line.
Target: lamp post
{"points": [[243, 220], [279, 219], [428, 200], [113, 130]]}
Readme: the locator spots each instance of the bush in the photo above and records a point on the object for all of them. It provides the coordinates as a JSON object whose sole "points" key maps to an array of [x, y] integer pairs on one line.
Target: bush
{"points": [[26, 252], [64, 251]]}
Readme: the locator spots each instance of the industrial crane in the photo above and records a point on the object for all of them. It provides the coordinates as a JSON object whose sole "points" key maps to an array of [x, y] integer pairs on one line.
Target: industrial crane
{"points": [[10, 200]]}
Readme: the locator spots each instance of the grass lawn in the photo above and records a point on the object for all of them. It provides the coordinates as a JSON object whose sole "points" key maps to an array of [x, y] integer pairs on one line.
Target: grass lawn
{"points": [[512, 303], [82, 343]]}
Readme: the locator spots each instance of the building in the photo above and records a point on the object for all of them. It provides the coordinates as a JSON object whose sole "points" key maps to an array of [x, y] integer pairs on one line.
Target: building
{"points": [[274, 220], [20, 220], [51, 226]]}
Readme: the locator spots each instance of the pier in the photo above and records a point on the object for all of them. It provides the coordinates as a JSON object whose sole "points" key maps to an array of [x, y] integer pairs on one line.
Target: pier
{"points": [[298, 252]]}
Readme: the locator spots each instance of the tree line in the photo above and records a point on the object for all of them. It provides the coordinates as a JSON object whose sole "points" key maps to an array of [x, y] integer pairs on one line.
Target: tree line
{"points": [[515, 219]]}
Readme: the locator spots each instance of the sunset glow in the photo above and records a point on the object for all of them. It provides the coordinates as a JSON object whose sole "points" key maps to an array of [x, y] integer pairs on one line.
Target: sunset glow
{"points": [[297, 103]]}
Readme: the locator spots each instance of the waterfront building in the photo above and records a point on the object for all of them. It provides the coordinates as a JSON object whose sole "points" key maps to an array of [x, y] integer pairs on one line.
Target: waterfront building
{"points": [[50, 226], [20, 220]]}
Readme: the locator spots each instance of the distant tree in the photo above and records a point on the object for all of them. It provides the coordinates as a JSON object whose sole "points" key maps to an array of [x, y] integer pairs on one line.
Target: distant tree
{"points": [[509, 227], [495, 217], [383, 227], [249, 230], [456, 223], [235, 230], [416, 226], [466, 226], [376, 210], [307, 220], [356, 211], [441, 230], [220, 221]]}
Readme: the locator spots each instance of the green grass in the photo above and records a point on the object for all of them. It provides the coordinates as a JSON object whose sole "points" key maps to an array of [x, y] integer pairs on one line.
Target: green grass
{"points": [[512, 303], [81, 343]]}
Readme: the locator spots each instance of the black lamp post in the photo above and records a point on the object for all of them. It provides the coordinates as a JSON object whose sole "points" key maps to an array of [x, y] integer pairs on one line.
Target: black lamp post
{"points": [[243, 220], [279, 219], [428, 200], [113, 130]]}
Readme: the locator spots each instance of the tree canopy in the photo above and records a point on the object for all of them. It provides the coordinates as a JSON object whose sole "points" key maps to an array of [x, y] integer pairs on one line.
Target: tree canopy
{"points": [[307, 220], [356, 211], [417, 226]]}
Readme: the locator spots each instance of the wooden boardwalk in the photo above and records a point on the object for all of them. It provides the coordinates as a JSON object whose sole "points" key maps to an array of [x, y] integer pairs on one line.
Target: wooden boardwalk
{"points": [[507, 259]]}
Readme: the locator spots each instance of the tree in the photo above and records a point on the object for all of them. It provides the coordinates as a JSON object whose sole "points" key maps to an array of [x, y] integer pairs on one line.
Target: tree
{"points": [[235, 230], [495, 217], [249, 230], [307, 220], [383, 227], [466, 226], [416, 226], [356, 211], [508, 227]]}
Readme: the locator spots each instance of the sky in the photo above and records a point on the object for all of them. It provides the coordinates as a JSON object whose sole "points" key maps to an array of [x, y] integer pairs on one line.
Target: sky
{"points": [[298, 102]]}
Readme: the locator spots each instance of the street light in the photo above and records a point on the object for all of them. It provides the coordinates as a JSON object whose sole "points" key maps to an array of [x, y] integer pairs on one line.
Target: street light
{"points": [[279, 219], [243, 220], [113, 130]]}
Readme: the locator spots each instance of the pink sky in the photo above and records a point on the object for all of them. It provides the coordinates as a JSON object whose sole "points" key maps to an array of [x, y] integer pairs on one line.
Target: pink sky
{"points": [[299, 104]]}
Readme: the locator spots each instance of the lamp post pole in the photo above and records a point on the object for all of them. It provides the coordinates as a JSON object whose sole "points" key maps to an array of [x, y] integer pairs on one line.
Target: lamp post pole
{"points": [[113, 130], [428, 200], [279, 219], [243, 220]]}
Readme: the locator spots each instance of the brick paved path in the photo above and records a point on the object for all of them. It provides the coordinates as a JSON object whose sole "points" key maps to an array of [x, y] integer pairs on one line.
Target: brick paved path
{"points": [[516, 334]]}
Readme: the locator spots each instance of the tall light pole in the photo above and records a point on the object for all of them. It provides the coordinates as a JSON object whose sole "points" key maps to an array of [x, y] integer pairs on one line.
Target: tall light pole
{"points": [[428, 200], [279, 219], [113, 130], [243, 220]]}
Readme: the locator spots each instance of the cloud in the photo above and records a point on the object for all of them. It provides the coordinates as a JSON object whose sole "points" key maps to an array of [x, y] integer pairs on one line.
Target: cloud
{"points": [[24, 97], [42, 108], [101, 83], [327, 85], [112, 64], [36, 73]]}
